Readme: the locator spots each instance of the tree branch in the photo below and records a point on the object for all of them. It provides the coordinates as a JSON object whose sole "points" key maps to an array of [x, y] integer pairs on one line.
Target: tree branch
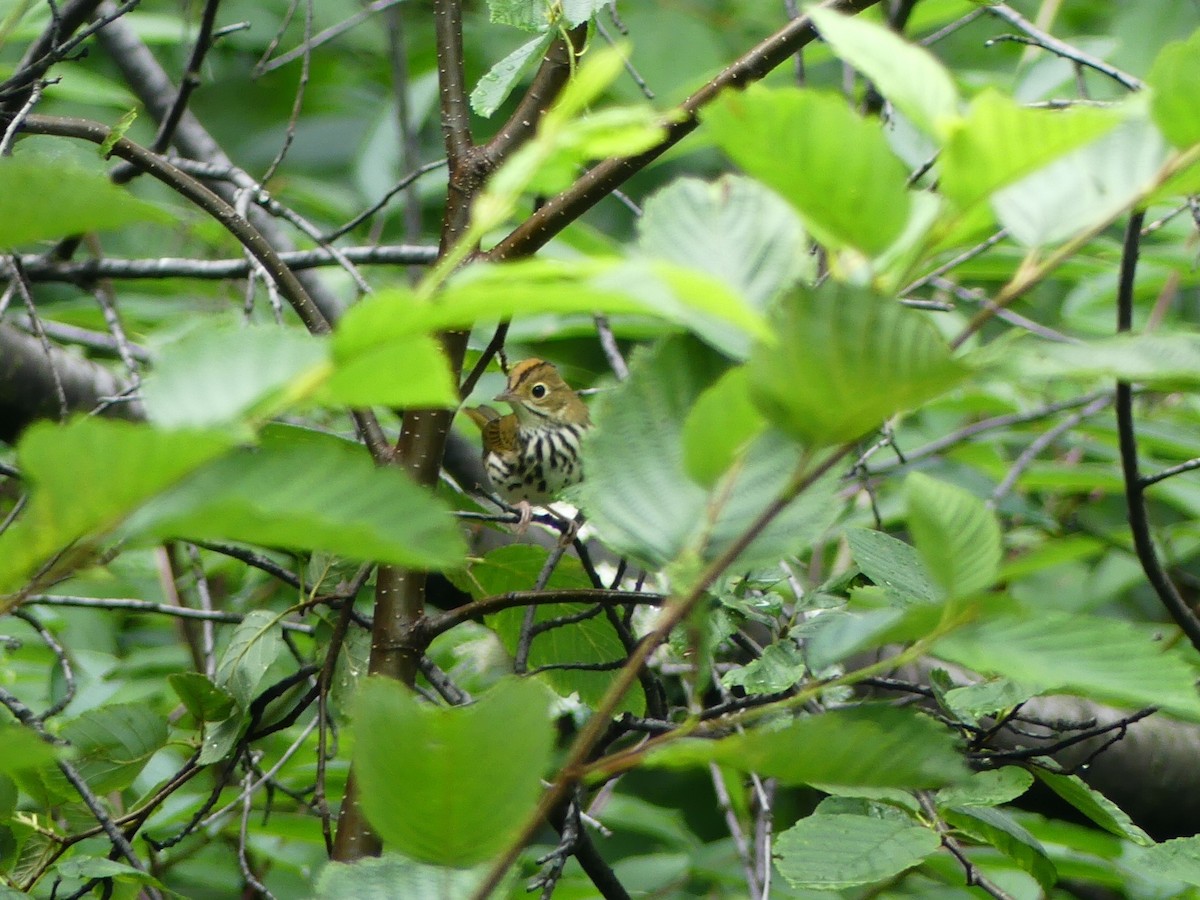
{"points": [[28, 379], [157, 167], [558, 212], [1135, 499]]}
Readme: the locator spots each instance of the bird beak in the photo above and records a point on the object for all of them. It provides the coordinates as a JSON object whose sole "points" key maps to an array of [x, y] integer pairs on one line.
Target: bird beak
{"points": [[505, 397]]}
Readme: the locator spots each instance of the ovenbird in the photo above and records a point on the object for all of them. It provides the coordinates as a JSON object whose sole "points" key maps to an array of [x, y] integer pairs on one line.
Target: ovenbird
{"points": [[532, 453]]}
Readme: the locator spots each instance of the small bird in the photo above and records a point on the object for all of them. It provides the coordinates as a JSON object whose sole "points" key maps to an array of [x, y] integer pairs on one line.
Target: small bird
{"points": [[532, 453]]}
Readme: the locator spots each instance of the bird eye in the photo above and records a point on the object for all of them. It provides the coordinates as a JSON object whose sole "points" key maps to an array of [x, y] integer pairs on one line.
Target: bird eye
{"points": [[538, 391]]}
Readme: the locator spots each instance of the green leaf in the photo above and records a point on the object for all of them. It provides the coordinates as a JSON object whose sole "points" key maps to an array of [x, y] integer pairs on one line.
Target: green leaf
{"points": [[987, 788], [1094, 805], [1172, 358], [836, 634], [494, 87], [999, 141], [1104, 659], [1177, 859], [84, 868], [732, 228], [591, 641], [721, 424], [220, 738], [113, 742], [23, 750], [860, 746], [997, 828], [490, 292], [957, 536], [117, 132], [203, 699], [835, 167], [846, 359], [227, 371], [393, 876], [780, 666], [1085, 188], [842, 851], [47, 196], [910, 77], [409, 371], [308, 491], [528, 15], [893, 565], [638, 496], [87, 476], [494, 753], [254, 647], [985, 698], [1173, 79]]}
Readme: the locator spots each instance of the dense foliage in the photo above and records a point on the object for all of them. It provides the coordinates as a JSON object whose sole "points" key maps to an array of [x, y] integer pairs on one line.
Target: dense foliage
{"points": [[881, 580]]}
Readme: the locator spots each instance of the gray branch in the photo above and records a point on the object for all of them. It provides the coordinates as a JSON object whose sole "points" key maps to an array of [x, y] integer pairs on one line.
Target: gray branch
{"points": [[39, 268], [27, 384]]}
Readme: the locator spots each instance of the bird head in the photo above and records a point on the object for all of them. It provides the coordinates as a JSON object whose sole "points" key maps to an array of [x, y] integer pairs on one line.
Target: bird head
{"points": [[540, 397]]}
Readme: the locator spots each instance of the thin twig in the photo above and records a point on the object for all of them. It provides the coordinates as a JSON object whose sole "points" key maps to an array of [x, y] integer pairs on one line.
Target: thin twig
{"points": [[312, 42], [148, 606], [1061, 48], [1040, 443], [1189, 466]]}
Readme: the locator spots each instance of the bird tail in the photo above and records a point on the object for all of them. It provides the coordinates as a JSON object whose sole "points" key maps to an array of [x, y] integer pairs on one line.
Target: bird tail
{"points": [[481, 415]]}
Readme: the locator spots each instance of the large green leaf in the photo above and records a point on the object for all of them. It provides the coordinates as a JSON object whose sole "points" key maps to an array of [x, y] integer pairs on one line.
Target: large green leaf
{"points": [[308, 491], [23, 749], [1172, 358], [393, 876], [1084, 188], [637, 493], [910, 77], [837, 634], [999, 141], [834, 852], [1104, 659], [1173, 79], [87, 476], [409, 371], [490, 292], [46, 196], [872, 746], [833, 166], [845, 360], [112, 743], [722, 423], [466, 778], [1177, 859], [588, 642], [732, 228], [957, 536], [220, 372]]}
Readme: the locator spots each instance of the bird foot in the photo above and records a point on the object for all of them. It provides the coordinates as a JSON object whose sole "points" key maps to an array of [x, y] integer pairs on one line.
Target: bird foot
{"points": [[525, 510]]}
